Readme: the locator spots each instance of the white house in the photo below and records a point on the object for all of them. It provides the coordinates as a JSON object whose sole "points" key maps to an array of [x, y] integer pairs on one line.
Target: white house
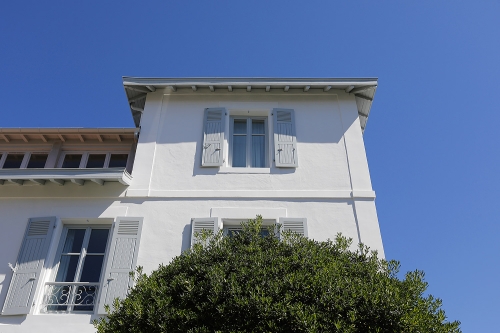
{"points": [[80, 208]]}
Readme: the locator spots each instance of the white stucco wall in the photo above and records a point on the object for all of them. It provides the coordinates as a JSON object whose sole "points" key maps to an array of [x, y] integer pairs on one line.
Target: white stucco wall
{"points": [[171, 144], [331, 187]]}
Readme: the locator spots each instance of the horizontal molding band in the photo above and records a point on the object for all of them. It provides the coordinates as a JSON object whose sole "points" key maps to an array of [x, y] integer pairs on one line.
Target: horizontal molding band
{"points": [[270, 194]]}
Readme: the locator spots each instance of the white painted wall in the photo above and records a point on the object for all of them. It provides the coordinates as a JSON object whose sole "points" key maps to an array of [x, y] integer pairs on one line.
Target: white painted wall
{"points": [[331, 187]]}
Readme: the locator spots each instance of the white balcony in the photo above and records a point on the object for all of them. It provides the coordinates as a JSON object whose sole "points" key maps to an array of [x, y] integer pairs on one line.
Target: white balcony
{"points": [[61, 176]]}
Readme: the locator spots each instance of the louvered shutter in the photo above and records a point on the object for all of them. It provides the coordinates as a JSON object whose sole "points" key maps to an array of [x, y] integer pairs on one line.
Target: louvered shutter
{"points": [[213, 137], [285, 141], [293, 224], [29, 265], [200, 224], [122, 258]]}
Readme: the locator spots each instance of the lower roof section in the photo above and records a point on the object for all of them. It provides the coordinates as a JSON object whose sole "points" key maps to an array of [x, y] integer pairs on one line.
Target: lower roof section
{"points": [[63, 176], [82, 135]]}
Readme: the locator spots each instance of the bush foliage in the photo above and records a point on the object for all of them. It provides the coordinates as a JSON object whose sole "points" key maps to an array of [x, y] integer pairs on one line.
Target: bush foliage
{"points": [[250, 283]]}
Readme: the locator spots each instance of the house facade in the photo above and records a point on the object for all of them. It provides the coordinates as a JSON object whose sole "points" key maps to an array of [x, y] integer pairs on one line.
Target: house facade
{"points": [[81, 208]]}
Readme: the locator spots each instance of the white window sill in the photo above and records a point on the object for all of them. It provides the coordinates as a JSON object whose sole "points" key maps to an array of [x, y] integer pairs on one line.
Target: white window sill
{"points": [[244, 170]]}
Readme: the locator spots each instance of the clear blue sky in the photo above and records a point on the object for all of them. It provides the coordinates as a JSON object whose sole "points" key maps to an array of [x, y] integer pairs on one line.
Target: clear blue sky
{"points": [[431, 139]]}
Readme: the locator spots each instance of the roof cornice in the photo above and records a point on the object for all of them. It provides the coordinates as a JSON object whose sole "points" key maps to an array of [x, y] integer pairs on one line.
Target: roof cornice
{"points": [[137, 88]]}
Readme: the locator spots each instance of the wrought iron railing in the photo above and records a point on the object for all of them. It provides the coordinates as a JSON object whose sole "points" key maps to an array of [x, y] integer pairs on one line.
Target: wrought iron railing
{"points": [[70, 296]]}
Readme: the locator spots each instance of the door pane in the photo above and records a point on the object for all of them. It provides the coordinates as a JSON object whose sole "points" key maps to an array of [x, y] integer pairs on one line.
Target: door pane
{"points": [[98, 240], [92, 268], [13, 161], [37, 161], [72, 161], [96, 161], [239, 151], [240, 126], [74, 240], [258, 151], [118, 161], [258, 127], [67, 268]]}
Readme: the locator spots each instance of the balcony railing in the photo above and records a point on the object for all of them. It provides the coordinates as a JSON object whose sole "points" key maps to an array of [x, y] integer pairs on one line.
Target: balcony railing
{"points": [[70, 296], [61, 176]]}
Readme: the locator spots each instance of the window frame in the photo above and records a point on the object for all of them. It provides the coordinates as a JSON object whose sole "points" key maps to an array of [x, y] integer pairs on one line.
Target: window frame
{"points": [[24, 162], [85, 157], [28, 157], [248, 145], [81, 261], [235, 224]]}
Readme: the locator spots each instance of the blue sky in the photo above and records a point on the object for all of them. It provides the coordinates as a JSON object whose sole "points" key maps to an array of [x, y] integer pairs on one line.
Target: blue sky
{"points": [[431, 139]]}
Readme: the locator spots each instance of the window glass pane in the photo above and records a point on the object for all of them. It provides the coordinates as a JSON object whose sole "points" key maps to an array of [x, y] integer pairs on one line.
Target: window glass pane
{"points": [[96, 161], [239, 151], [37, 161], [74, 240], [13, 161], [264, 232], [240, 126], [258, 127], [67, 268], [233, 231], [98, 240], [118, 161], [258, 151], [92, 268], [72, 161]]}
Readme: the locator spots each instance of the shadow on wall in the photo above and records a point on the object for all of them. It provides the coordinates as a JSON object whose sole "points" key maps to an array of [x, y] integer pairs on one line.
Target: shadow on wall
{"points": [[315, 126], [186, 238], [12, 320], [320, 124]]}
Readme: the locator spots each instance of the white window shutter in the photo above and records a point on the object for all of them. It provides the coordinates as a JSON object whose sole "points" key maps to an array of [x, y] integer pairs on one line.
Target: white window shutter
{"points": [[121, 260], [29, 265], [293, 224], [204, 223], [285, 141], [213, 137]]}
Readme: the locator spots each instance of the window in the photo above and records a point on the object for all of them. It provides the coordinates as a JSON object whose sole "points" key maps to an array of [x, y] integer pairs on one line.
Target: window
{"points": [[231, 226], [80, 282], [78, 270], [90, 160], [248, 142], [13, 160], [37, 160], [21, 160], [118, 161], [231, 230]]}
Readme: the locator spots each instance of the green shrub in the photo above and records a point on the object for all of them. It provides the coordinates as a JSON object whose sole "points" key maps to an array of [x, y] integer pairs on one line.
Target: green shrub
{"points": [[250, 283]]}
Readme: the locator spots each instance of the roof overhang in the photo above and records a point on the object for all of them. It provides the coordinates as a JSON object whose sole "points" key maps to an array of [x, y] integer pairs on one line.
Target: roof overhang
{"points": [[62, 176], [137, 88], [88, 135]]}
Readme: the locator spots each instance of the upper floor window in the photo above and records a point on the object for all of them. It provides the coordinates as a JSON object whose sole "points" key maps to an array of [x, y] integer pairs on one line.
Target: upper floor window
{"points": [[93, 160], [248, 142], [248, 139], [37, 160], [13, 161], [20, 160]]}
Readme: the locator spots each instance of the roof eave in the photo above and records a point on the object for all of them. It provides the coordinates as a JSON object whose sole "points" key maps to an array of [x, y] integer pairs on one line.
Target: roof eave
{"points": [[137, 88]]}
